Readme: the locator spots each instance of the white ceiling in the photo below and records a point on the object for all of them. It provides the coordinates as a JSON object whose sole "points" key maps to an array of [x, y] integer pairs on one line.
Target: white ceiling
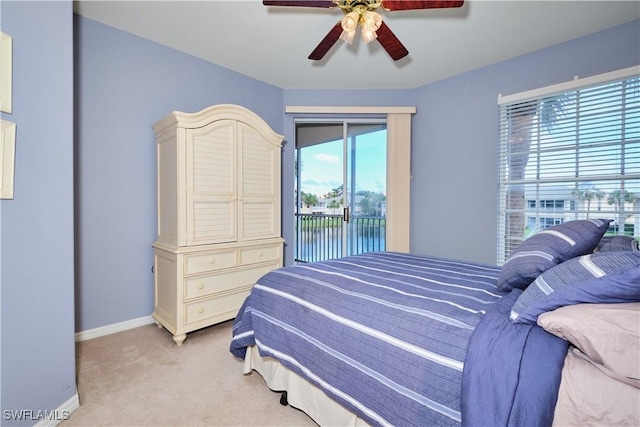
{"points": [[272, 44]]}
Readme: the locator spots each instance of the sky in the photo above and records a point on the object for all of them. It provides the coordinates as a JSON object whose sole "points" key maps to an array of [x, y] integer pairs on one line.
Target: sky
{"points": [[322, 165]]}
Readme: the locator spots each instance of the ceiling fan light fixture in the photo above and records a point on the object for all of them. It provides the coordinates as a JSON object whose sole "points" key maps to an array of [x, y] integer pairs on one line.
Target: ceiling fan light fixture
{"points": [[369, 22], [349, 24]]}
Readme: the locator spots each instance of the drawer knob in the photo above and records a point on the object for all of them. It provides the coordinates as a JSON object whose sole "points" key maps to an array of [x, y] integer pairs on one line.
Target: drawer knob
{"points": [[201, 310], [212, 261], [260, 254], [201, 286]]}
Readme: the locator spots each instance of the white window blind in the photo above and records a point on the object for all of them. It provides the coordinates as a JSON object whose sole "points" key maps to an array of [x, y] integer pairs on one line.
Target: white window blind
{"points": [[569, 152]]}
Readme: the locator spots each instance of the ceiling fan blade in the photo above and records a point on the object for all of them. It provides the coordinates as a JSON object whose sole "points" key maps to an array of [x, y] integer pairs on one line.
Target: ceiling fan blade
{"points": [[390, 42], [414, 5], [301, 3], [327, 42]]}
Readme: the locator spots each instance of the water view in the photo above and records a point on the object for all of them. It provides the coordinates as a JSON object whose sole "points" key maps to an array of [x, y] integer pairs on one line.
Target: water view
{"points": [[322, 237]]}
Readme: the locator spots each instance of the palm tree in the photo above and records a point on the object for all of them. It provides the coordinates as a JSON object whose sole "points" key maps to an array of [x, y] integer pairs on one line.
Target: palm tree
{"points": [[618, 198], [600, 196], [587, 194], [365, 206], [521, 125], [334, 204], [308, 199], [336, 192]]}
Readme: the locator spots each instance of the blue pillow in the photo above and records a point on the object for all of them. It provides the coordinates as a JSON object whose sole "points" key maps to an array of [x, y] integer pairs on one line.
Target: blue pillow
{"points": [[548, 248], [602, 277], [618, 243]]}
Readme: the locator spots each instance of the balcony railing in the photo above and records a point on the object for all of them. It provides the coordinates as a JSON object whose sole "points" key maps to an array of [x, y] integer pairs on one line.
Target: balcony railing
{"points": [[320, 236]]}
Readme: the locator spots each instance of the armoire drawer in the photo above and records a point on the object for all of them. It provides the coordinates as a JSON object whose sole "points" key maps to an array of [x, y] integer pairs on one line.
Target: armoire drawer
{"points": [[210, 261], [204, 309], [259, 254], [195, 287]]}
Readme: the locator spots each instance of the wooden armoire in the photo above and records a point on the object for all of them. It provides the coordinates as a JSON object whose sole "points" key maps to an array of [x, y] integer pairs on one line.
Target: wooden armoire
{"points": [[219, 206]]}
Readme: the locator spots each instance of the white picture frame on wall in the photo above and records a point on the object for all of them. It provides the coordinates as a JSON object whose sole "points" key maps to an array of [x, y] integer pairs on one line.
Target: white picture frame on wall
{"points": [[6, 71], [7, 158]]}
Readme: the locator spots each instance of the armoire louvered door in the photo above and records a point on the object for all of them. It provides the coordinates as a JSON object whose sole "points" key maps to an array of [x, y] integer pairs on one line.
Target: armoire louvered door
{"points": [[212, 177], [259, 214]]}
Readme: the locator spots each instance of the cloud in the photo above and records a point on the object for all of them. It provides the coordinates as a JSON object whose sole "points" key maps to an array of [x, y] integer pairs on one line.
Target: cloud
{"points": [[329, 183], [310, 182], [319, 188], [327, 158]]}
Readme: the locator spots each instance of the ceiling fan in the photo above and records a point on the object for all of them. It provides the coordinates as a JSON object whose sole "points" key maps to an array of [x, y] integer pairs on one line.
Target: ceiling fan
{"points": [[363, 13]]}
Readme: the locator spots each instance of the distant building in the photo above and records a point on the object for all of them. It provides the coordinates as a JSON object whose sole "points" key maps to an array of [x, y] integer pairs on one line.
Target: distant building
{"points": [[334, 206], [552, 205]]}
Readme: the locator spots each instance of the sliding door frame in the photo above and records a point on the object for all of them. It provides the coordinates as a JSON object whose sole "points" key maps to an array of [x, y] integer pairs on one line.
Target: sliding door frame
{"points": [[398, 164]]}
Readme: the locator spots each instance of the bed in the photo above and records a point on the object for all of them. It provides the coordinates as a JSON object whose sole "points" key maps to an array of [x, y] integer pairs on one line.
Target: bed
{"points": [[388, 338]]}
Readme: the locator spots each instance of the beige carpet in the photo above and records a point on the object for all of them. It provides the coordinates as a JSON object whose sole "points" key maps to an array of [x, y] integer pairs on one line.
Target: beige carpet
{"points": [[140, 377]]}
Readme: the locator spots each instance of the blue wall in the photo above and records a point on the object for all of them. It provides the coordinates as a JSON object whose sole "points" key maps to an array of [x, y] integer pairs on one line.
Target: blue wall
{"points": [[37, 276], [460, 115], [123, 85], [455, 137]]}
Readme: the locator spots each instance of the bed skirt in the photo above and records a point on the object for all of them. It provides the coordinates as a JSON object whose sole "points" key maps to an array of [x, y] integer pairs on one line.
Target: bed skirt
{"points": [[301, 394]]}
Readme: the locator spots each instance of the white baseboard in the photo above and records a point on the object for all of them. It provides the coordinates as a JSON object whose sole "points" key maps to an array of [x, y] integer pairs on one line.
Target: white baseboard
{"points": [[58, 415], [113, 328]]}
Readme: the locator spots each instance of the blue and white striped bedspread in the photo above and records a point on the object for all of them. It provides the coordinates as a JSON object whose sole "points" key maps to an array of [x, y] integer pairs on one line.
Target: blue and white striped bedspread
{"points": [[385, 334]]}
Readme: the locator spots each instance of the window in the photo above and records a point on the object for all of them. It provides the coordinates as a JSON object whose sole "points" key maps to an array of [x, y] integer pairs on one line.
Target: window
{"points": [[570, 151]]}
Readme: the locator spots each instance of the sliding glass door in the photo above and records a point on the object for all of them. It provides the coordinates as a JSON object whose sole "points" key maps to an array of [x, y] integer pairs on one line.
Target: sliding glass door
{"points": [[341, 176]]}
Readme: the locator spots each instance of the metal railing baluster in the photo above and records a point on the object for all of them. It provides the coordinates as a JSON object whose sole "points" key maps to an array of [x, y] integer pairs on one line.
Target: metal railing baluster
{"points": [[320, 236]]}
